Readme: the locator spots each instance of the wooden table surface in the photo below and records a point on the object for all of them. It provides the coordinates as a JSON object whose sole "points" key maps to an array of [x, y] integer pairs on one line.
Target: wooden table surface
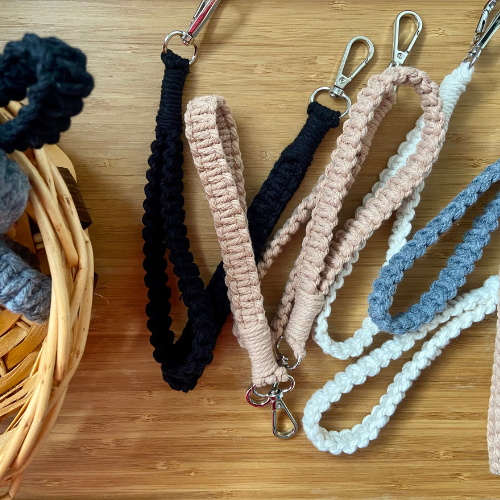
{"points": [[122, 432]]}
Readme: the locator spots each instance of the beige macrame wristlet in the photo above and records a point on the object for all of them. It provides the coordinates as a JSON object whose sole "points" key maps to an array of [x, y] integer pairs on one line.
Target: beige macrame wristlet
{"points": [[324, 253], [212, 136]]}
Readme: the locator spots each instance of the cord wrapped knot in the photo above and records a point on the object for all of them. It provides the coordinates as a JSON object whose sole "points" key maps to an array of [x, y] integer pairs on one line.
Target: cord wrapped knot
{"points": [[54, 78]]}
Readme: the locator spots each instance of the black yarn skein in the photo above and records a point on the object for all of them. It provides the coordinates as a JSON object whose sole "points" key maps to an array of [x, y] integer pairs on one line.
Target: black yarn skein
{"points": [[54, 78], [184, 361]]}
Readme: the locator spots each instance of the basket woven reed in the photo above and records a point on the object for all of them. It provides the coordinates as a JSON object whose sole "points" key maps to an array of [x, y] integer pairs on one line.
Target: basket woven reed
{"points": [[38, 361]]}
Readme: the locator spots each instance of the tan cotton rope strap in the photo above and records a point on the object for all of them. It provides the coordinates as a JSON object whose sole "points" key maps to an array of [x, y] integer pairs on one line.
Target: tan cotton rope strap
{"points": [[212, 135], [324, 253]]}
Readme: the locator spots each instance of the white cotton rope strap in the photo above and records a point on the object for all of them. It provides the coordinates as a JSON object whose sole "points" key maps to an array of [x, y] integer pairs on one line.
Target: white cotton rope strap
{"points": [[493, 434], [461, 313]]}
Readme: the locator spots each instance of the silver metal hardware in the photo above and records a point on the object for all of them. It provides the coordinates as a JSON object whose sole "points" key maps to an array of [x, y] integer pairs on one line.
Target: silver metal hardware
{"points": [[282, 360], [275, 398], [483, 35], [399, 56], [200, 18], [337, 91]]}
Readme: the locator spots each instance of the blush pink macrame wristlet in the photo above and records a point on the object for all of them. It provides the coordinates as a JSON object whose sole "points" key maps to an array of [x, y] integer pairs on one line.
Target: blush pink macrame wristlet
{"points": [[211, 133]]}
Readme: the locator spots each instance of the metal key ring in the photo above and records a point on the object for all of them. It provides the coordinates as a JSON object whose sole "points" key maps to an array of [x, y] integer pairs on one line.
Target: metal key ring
{"points": [[282, 359], [253, 402], [181, 34], [273, 390], [328, 89]]}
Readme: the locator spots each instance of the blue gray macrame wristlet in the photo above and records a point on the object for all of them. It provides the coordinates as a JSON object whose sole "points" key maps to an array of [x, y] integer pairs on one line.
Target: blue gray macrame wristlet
{"points": [[459, 265]]}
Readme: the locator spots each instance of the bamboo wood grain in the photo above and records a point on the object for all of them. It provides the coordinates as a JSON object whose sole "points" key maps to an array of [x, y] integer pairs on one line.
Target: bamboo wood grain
{"points": [[121, 433]]}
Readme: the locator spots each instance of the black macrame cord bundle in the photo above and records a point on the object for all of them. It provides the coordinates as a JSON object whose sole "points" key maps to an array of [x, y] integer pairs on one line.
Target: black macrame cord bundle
{"points": [[184, 361], [53, 76]]}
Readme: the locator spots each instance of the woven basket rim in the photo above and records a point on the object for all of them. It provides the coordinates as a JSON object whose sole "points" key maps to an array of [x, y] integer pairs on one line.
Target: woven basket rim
{"points": [[70, 260]]}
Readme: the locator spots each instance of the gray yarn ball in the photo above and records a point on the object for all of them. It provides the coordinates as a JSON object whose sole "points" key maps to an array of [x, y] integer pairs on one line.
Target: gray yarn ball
{"points": [[23, 290], [14, 190]]}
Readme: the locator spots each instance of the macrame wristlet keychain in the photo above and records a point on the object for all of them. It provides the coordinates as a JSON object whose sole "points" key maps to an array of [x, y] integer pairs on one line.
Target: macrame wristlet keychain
{"points": [[183, 362], [475, 304], [322, 256], [212, 136], [493, 433]]}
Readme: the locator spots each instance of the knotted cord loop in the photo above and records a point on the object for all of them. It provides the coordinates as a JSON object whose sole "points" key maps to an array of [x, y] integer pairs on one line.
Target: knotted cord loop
{"points": [[459, 265], [322, 256], [53, 76]]}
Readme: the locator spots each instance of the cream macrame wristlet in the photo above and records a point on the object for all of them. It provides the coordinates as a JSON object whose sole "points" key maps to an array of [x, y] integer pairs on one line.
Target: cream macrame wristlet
{"points": [[494, 409]]}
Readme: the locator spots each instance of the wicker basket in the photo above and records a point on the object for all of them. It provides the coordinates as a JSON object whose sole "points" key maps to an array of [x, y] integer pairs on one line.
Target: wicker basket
{"points": [[38, 361]]}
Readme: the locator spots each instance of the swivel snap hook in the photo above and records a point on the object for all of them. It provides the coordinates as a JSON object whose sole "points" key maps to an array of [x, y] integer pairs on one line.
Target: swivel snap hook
{"points": [[399, 56], [282, 359], [200, 18], [342, 80], [275, 398], [482, 35]]}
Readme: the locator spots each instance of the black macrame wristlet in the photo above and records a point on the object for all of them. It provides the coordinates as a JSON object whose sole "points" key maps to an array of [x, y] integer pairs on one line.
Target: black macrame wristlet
{"points": [[53, 76], [183, 361]]}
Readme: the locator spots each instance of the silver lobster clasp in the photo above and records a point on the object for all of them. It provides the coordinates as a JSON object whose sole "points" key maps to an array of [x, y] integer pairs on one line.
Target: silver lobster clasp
{"points": [[483, 34], [399, 56], [275, 398], [200, 18], [342, 80]]}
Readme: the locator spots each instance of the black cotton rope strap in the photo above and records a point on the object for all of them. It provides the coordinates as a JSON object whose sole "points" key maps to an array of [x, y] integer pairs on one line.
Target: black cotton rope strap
{"points": [[184, 361], [53, 76]]}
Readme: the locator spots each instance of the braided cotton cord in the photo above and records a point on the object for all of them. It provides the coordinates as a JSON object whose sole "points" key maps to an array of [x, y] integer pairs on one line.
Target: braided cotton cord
{"points": [[213, 139], [53, 76], [461, 313], [309, 281], [494, 408], [458, 267], [164, 227], [452, 87]]}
